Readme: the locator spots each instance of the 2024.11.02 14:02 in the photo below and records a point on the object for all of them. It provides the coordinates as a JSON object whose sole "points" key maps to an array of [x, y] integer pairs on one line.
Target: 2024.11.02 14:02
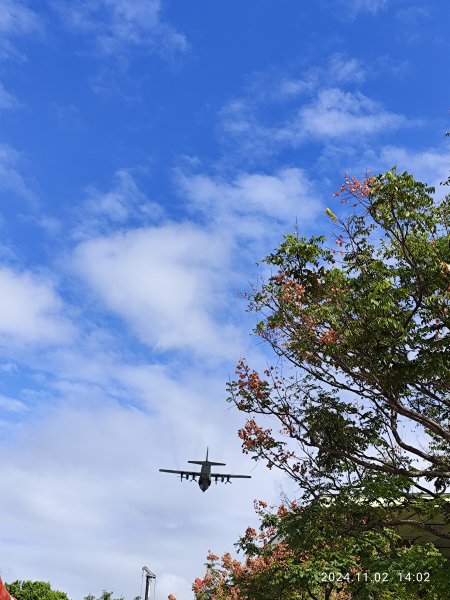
{"points": [[377, 577]]}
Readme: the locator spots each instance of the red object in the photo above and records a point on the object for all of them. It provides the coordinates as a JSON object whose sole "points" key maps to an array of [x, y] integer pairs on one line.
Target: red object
{"points": [[4, 594]]}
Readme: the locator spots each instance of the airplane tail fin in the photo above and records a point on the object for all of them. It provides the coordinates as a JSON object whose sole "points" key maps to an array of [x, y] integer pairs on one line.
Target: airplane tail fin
{"points": [[206, 462]]}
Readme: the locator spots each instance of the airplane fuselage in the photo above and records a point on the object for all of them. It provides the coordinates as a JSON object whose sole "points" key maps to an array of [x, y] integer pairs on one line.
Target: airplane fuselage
{"points": [[204, 481]]}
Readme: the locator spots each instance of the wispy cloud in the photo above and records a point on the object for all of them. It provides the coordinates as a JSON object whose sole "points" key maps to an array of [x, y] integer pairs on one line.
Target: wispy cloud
{"points": [[332, 114], [335, 114], [118, 26], [281, 87], [11, 179], [430, 165], [356, 7], [319, 104], [254, 209], [414, 23], [344, 69], [17, 19], [7, 100], [248, 197], [12, 404], [125, 202], [30, 311]]}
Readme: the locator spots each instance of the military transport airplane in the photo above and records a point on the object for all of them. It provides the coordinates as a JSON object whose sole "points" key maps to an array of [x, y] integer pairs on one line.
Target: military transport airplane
{"points": [[205, 474]]}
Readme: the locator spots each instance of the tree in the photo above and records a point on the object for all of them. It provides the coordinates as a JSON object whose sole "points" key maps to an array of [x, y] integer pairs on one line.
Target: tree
{"points": [[34, 590], [297, 556], [365, 328], [105, 595], [361, 391]]}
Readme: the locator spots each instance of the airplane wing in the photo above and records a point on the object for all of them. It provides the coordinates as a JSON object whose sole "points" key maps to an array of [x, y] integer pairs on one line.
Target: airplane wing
{"points": [[184, 474], [223, 476]]}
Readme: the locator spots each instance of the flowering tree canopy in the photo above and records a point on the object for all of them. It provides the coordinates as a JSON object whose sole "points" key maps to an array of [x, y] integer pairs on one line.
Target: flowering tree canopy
{"points": [[362, 387], [296, 555], [358, 403]]}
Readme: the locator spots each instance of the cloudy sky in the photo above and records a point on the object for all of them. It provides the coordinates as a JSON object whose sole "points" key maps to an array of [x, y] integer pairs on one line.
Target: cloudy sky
{"points": [[151, 152]]}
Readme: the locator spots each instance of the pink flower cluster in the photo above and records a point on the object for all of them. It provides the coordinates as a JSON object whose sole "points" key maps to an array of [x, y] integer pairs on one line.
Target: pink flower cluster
{"points": [[354, 188]]}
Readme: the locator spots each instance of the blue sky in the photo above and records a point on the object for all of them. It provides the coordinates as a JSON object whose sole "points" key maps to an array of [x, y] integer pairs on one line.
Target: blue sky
{"points": [[151, 152]]}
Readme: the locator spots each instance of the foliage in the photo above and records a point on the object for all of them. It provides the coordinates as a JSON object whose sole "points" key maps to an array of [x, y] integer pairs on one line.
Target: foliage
{"points": [[105, 595], [34, 590], [296, 555], [365, 327]]}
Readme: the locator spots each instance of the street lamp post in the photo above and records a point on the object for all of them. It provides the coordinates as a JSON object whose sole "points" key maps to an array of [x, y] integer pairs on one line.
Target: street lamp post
{"points": [[148, 576]]}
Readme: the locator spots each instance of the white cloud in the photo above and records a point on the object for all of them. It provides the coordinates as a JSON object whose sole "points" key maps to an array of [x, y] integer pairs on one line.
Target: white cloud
{"points": [[413, 15], [12, 404], [322, 103], [49, 224], [274, 87], [332, 115], [10, 177], [30, 311], [119, 25], [123, 200], [278, 197], [294, 86], [413, 25], [345, 69], [173, 283], [98, 509], [238, 120], [340, 69], [121, 205], [337, 114], [165, 282], [430, 165], [173, 584], [16, 19], [356, 7], [7, 100]]}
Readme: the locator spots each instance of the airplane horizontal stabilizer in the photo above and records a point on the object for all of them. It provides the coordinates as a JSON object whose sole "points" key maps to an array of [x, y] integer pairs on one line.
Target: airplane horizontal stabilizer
{"points": [[206, 462]]}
